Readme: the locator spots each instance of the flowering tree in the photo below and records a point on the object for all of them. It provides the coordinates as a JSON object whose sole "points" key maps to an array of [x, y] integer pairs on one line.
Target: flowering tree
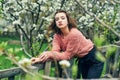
{"points": [[30, 19]]}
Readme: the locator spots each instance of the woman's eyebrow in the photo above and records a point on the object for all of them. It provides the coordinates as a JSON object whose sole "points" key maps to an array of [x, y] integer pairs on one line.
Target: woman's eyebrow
{"points": [[62, 16], [58, 17]]}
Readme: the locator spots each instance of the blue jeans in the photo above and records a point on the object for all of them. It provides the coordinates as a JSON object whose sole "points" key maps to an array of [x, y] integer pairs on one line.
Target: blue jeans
{"points": [[89, 67]]}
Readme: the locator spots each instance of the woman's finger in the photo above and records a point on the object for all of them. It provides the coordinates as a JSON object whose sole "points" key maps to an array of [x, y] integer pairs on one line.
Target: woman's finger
{"points": [[43, 58], [32, 59], [35, 60]]}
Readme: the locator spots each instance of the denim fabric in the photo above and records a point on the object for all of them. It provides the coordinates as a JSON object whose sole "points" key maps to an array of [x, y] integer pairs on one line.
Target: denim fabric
{"points": [[89, 67]]}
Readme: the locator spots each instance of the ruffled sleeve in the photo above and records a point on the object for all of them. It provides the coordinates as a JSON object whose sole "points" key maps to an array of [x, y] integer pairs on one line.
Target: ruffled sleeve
{"points": [[56, 43]]}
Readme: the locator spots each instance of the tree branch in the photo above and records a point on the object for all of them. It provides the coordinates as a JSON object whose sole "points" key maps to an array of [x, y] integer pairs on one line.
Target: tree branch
{"points": [[22, 43], [96, 18]]}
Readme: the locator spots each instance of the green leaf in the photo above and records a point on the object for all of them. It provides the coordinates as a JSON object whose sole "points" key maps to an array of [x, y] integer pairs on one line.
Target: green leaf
{"points": [[100, 57], [3, 44], [99, 41], [110, 51]]}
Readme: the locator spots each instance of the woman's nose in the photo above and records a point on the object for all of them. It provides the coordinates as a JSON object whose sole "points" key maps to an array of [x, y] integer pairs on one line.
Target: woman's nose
{"points": [[60, 21]]}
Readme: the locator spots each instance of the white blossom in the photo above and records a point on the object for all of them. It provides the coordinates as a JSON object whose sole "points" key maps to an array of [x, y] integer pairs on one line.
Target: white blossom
{"points": [[83, 18], [16, 22], [45, 1], [21, 49], [90, 5], [34, 5], [39, 1], [6, 9], [17, 49], [50, 39], [85, 23], [24, 1], [23, 11], [34, 25], [90, 24], [25, 62], [23, 26], [64, 63], [45, 31], [98, 2], [84, 1], [106, 1], [10, 28], [11, 1], [47, 18], [5, 29], [87, 16], [17, 13], [99, 15], [40, 36], [51, 9]]}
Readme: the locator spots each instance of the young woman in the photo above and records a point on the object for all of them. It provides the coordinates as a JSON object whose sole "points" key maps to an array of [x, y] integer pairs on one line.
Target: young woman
{"points": [[69, 42]]}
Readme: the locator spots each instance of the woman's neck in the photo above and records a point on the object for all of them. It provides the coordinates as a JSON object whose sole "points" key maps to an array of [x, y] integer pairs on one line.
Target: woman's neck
{"points": [[65, 31]]}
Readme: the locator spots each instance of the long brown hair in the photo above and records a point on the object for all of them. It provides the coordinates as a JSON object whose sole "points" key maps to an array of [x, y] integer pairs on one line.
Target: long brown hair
{"points": [[71, 22]]}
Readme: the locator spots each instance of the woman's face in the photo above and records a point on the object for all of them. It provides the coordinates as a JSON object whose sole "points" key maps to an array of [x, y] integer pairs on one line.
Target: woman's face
{"points": [[61, 20]]}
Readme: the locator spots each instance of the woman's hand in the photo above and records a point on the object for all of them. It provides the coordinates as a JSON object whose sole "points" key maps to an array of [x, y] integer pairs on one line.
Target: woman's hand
{"points": [[45, 56], [35, 60], [42, 58]]}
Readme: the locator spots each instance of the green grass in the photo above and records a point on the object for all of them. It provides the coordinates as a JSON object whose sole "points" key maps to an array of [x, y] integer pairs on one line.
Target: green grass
{"points": [[6, 38], [5, 62]]}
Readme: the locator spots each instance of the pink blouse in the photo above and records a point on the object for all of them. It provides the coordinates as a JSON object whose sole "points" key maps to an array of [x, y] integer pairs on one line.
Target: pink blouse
{"points": [[74, 44]]}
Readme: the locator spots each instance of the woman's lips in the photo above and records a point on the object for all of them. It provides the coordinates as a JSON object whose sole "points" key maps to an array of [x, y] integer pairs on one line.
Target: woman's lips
{"points": [[60, 24]]}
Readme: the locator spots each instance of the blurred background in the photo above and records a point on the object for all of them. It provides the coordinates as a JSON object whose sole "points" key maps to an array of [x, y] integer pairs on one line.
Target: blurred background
{"points": [[24, 34]]}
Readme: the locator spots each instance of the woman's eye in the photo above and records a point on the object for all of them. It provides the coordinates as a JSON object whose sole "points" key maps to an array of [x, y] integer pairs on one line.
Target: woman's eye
{"points": [[56, 19], [62, 18]]}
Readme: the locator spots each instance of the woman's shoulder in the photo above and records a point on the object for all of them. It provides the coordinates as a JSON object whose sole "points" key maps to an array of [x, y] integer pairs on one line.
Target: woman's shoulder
{"points": [[75, 32], [56, 35]]}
